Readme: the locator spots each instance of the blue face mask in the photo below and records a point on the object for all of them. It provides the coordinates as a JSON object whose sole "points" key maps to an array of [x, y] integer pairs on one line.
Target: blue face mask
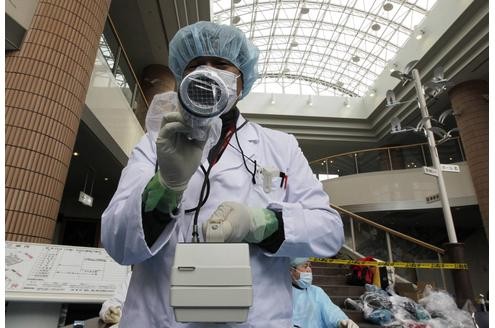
{"points": [[305, 279]]}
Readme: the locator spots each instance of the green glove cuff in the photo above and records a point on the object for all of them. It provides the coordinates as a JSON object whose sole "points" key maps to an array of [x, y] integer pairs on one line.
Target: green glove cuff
{"points": [[264, 224], [155, 196]]}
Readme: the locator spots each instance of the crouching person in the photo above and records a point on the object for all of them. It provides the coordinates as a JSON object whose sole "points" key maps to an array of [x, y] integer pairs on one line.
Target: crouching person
{"points": [[311, 305]]}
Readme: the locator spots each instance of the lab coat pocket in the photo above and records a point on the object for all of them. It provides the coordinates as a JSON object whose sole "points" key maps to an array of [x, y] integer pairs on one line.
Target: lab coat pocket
{"points": [[261, 197], [277, 192]]}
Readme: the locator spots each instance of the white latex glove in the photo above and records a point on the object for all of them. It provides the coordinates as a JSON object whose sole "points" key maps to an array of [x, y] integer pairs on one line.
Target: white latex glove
{"points": [[112, 314], [233, 219], [235, 222], [178, 156], [348, 323]]}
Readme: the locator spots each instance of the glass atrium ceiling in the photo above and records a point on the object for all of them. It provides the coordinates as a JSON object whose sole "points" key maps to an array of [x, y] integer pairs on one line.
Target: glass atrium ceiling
{"points": [[322, 47]]}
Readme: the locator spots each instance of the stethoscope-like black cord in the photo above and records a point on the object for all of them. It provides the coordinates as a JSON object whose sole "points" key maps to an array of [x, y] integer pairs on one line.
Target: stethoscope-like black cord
{"points": [[206, 185], [253, 174], [206, 181], [202, 200]]}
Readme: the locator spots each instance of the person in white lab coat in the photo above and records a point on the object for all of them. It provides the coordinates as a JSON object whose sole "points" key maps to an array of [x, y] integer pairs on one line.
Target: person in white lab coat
{"points": [[154, 205], [111, 309]]}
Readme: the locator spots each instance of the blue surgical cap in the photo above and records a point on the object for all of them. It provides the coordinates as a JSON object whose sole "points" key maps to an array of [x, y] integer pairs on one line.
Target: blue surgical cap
{"points": [[298, 261], [209, 39]]}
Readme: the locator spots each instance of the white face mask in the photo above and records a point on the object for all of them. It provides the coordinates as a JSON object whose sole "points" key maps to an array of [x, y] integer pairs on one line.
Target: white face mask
{"points": [[208, 92], [305, 279]]}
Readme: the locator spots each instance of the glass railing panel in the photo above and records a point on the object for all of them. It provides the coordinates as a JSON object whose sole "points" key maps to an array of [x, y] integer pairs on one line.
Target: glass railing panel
{"points": [[370, 241], [426, 151], [405, 251], [450, 152], [372, 161], [347, 230], [126, 83], [319, 167], [110, 48], [407, 157], [342, 165], [393, 158], [120, 67], [373, 241], [438, 278]]}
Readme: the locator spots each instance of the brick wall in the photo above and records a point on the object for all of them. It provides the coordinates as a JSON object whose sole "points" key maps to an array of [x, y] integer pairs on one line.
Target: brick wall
{"points": [[471, 109], [45, 89]]}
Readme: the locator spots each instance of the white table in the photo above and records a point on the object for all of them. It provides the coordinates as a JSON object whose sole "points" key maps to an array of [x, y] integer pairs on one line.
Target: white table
{"points": [[40, 277]]}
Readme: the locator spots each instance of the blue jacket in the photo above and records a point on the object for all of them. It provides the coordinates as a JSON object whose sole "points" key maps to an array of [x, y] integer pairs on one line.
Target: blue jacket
{"points": [[313, 308]]}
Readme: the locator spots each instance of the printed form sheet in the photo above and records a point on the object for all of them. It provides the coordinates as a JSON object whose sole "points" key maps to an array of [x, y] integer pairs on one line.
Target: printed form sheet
{"points": [[67, 273]]}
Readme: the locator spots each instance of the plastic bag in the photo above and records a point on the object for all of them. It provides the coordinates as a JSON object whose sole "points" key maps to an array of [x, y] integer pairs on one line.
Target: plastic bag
{"points": [[393, 311], [161, 104], [349, 303], [168, 102], [377, 307], [444, 311], [406, 311]]}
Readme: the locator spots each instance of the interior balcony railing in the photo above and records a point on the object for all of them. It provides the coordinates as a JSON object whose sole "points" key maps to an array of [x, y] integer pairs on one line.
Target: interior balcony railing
{"points": [[386, 158], [364, 237], [116, 57]]}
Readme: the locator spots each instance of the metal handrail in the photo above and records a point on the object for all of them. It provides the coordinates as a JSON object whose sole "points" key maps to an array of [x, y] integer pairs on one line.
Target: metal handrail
{"points": [[114, 31], [389, 230], [372, 149]]}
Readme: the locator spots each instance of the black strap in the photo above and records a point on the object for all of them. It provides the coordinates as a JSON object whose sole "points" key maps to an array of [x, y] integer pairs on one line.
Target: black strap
{"points": [[273, 242]]}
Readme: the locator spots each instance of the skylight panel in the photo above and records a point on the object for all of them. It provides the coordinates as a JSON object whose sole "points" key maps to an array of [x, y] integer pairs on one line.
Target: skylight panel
{"points": [[261, 33], [221, 5], [345, 41]]}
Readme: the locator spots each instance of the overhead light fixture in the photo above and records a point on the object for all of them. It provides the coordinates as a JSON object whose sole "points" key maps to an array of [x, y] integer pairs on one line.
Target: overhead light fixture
{"points": [[294, 44], [236, 19], [106, 179], [84, 197], [386, 6], [237, 1], [304, 10], [372, 92], [356, 59], [420, 34], [376, 27], [75, 153], [285, 70], [340, 84]]}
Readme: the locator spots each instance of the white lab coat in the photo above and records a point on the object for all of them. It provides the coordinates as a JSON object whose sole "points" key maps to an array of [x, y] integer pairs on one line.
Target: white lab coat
{"points": [[311, 227]]}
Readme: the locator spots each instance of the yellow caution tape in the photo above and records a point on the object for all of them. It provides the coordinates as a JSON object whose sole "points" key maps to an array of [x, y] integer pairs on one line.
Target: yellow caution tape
{"points": [[407, 265]]}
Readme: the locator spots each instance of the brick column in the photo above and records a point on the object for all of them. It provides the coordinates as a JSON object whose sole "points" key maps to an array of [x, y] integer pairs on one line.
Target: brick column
{"points": [[45, 88], [471, 108], [155, 79]]}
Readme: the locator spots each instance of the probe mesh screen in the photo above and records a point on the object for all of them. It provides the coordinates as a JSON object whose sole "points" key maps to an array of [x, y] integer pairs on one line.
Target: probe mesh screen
{"points": [[204, 93]]}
